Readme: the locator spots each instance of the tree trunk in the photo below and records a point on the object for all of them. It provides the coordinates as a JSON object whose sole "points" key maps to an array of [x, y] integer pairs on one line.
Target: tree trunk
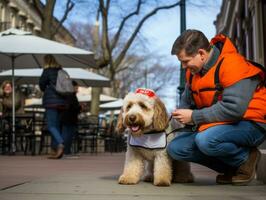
{"points": [[48, 19], [96, 91], [95, 100]]}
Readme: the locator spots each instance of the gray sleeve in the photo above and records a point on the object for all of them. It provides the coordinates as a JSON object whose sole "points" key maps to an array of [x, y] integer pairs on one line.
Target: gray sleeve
{"points": [[186, 100], [233, 105]]}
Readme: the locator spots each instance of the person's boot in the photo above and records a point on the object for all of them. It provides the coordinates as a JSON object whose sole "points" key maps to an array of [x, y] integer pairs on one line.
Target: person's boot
{"points": [[59, 152], [246, 172], [225, 178], [52, 152]]}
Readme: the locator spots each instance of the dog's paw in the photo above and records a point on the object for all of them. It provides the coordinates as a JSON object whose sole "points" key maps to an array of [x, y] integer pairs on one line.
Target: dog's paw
{"points": [[162, 182], [127, 180]]}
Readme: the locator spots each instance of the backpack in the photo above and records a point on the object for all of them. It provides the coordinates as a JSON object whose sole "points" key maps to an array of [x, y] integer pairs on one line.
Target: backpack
{"points": [[64, 84]]}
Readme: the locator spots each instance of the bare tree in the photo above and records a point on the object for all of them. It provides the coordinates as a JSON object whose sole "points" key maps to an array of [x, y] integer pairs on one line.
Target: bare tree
{"points": [[46, 12], [118, 33], [142, 70], [148, 73]]}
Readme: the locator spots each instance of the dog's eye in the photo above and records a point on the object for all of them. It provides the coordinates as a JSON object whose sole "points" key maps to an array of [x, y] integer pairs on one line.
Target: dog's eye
{"points": [[143, 106], [129, 106]]}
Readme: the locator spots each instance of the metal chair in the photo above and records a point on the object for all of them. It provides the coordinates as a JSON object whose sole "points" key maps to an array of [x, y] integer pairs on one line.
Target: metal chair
{"points": [[87, 134]]}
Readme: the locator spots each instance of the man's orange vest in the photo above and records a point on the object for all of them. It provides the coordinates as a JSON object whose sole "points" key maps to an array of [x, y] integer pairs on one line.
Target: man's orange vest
{"points": [[232, 68]]}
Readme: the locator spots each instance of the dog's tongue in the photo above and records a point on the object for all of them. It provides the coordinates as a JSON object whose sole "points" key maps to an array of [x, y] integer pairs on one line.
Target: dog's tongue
{"points": [[134, 128]]}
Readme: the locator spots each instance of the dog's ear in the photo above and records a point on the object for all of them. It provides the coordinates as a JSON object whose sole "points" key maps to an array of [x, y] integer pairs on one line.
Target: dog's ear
{"points": [[160, 118], [120, 128]]}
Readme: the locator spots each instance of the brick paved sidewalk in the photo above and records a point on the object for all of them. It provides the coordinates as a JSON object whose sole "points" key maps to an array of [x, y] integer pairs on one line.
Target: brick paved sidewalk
{"points": [[95, 177]]}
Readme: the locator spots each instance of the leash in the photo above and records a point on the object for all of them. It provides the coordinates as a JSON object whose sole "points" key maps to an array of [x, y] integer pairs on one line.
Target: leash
{"points": [[186, 128]]}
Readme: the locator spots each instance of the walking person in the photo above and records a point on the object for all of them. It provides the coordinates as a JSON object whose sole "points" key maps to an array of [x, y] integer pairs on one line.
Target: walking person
{"points": [[53, 103], [69, 119], [225, 99]]}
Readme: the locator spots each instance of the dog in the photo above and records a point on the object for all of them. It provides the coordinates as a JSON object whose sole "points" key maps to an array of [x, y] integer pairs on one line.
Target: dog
{"points": [[144, 116]]}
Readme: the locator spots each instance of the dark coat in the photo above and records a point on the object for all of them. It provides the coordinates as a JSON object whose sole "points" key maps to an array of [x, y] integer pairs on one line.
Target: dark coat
{"points": [[70, 114], [47, 82]]}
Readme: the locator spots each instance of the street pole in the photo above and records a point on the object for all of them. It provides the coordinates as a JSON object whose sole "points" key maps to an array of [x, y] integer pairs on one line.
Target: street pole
{"points": [[182, 28]]}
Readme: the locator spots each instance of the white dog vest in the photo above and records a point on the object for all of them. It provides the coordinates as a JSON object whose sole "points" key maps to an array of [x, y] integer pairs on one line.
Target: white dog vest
{"points": [[149, 141]]}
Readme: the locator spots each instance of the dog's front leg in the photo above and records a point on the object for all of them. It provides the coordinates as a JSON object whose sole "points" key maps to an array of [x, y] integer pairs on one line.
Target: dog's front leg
{"points": [[162, 170], [133, 168]]}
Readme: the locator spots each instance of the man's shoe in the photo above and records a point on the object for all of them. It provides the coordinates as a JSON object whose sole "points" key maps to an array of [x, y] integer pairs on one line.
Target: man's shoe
{"points": [[225, 178], [246, 172]]}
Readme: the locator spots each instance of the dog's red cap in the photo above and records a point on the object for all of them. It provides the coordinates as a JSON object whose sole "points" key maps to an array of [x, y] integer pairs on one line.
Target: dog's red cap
{"points": [[147, 92]]}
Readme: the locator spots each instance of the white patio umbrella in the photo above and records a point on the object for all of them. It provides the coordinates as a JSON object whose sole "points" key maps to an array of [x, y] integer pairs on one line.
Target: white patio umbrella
{"points": [[114, 105], [82, 76], [37, 102], [19, 49], [22, 49], [109, 112], [87, 98]]}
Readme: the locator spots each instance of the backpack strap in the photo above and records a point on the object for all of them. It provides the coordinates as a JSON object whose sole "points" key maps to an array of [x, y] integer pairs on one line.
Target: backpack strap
{"points": [[52, 83], [189, 84], [218, 87]]}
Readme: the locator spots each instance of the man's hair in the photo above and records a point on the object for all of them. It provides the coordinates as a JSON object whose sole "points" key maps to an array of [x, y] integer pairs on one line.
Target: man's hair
{"points": [[190, 41]]}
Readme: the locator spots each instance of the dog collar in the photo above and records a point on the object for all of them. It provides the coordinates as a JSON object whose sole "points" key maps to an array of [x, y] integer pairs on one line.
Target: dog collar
{"points": [[149, 141]]}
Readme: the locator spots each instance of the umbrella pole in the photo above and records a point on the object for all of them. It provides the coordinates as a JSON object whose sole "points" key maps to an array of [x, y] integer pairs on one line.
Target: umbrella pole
{"points": [[13, 136]]}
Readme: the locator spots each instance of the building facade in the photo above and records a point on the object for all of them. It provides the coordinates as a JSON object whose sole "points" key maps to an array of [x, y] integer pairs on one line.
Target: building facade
{"points": [[244, 22], [23, 15]]}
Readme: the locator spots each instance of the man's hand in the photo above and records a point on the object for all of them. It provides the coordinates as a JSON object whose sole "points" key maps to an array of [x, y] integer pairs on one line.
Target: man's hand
{"points": [[183, 115]]}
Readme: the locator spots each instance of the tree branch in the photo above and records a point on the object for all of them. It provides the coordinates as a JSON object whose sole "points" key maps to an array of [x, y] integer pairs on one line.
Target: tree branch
{"points": [[118, 33], [38, 5], [69, 7], [131, 39], [107, 52]]}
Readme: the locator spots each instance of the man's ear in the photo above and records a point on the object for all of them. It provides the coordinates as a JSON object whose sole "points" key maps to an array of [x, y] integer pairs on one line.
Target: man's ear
{"points": [[203, 54]]}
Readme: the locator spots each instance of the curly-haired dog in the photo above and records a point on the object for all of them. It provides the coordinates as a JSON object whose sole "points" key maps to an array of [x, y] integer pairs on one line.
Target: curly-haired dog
{"points": [[144, 117]]}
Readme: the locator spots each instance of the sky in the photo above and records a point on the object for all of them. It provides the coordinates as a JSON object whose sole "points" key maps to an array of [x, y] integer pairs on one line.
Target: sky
{"points": [[162, 29]]}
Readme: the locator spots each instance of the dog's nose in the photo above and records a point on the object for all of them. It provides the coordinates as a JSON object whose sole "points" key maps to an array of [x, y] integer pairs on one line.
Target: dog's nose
{"points": [[132, 118]]}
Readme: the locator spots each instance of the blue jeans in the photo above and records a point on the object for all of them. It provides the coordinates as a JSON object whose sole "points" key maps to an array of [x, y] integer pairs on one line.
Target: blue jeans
{"points": [[221, 148], [68, 132], [54, 126]]}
